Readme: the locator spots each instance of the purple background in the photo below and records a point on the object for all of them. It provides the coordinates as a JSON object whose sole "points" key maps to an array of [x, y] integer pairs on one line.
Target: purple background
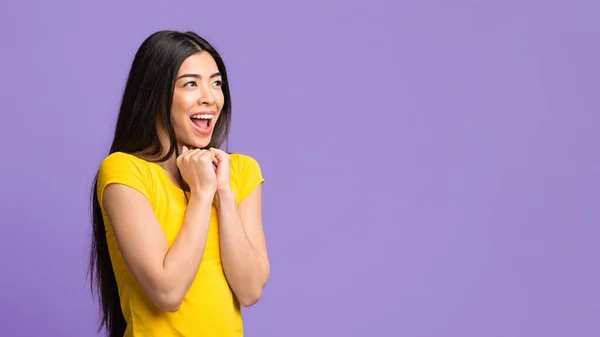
{"points": [[431, 166]]}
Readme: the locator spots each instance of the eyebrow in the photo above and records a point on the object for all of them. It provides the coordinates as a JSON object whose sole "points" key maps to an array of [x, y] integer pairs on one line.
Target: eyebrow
{"points": [[198, 76]]}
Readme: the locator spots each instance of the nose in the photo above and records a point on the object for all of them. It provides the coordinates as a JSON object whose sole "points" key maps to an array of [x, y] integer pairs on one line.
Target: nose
{"points": [[206, 97]]}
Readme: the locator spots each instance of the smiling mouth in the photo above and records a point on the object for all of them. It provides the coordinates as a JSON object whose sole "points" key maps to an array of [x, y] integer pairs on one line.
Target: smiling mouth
{"points": [[202, 121]]}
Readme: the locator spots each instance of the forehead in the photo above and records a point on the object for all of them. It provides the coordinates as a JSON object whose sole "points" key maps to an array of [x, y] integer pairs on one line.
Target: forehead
{"points": [[200, 63]]}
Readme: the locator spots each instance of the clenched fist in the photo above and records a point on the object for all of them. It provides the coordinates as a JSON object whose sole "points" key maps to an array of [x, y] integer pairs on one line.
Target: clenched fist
{"points": [[197, 168], [223, 169]]}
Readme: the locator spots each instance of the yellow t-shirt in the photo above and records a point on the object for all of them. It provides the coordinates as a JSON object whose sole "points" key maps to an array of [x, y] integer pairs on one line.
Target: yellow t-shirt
{"points": [[209, 308]]}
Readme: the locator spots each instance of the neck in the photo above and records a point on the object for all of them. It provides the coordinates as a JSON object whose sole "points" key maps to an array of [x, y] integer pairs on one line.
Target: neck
{"points": [[169, 165]]}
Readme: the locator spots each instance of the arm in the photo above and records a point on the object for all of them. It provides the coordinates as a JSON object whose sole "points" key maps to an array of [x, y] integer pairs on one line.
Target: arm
{"points": [[165, 274], [243, 248]]}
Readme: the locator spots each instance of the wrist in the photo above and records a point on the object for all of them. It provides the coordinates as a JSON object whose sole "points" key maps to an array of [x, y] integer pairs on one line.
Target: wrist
{"points": [[224, 195], [202, 196], [224, 191]]}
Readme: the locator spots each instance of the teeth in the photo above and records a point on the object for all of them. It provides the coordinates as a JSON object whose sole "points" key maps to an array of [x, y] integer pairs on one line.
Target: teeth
{"points": [[203, 116]]}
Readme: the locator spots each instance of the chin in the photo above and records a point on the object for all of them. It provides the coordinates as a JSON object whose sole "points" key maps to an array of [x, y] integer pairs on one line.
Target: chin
{"points": [[201, 143]]}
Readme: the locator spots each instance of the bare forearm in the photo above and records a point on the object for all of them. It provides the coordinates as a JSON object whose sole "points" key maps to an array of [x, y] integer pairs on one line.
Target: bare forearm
{"points": [[182, 261], [245, 269]]}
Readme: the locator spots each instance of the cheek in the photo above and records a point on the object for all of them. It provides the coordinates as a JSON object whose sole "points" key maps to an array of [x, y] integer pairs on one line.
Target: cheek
{"points": [[180, 111], [180, 122], [220, 99], [182, 103]]}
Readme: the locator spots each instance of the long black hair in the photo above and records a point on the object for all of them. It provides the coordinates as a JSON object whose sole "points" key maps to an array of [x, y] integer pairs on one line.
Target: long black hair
{"points": [[146, 99]]}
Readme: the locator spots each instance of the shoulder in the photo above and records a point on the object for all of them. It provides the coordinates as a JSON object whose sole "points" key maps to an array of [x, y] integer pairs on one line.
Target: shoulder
{"points": [[246, 172], [240, 160], [126, 169], [117, 159], [122, 163], [243, 165]]}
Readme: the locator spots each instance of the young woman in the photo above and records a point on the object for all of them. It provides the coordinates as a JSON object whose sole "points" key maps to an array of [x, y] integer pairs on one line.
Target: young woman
{"points": [[177, 242]]}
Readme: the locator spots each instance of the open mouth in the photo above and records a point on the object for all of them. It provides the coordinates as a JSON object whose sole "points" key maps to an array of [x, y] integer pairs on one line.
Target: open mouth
{"points": [[202, 121]]}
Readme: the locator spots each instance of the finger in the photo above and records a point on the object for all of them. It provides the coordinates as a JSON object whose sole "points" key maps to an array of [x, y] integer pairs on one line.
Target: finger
{"points": [[212, 154], [191, 151], [205, 155], [190, 154], [215, 155], [219, 154], [186, 151]]}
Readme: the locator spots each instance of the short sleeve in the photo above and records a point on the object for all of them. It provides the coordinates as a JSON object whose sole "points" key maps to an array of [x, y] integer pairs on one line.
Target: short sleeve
{"points": [[248, 174], [121, 168]]}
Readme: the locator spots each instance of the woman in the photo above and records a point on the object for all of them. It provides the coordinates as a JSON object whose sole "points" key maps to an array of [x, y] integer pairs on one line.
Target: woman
{"points": [[177, 242]]}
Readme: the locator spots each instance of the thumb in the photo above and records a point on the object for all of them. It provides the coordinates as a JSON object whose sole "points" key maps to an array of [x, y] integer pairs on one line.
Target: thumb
{"points": [[184, 149]]}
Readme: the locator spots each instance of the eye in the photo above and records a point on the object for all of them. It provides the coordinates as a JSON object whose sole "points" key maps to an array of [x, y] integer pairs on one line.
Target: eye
{"points": [[218, 83], [190, 84]]}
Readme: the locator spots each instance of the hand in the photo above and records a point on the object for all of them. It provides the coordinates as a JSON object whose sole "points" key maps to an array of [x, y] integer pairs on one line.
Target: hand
{"points": [[223, 169], [197, 169]]}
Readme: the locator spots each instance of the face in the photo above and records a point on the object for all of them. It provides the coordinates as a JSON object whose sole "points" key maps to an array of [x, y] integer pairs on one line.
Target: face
{"points": [[197, 100]]}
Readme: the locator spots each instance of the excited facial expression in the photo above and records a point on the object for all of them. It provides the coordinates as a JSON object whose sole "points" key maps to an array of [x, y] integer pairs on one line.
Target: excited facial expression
{"points": [[197, 100]]}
